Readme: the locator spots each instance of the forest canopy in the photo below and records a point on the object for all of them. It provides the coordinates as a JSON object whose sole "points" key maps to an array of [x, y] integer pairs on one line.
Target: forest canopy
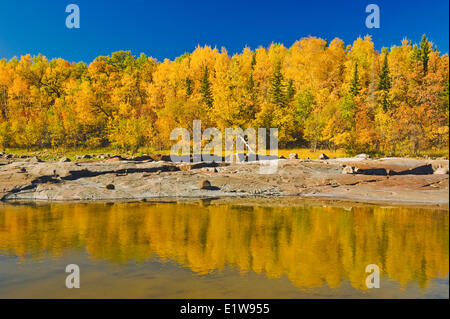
{"points": [[317, 93]]}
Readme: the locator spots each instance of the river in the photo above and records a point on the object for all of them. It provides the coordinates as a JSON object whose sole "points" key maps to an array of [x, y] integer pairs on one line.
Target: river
{"points": [[222, 250]]}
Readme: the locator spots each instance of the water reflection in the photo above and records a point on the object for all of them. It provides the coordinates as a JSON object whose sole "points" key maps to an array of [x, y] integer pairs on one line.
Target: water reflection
{"points": [[312, 246]]}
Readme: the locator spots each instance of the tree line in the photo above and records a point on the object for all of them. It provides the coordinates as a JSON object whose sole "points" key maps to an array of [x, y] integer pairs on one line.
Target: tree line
{"points": [[317, 93]]}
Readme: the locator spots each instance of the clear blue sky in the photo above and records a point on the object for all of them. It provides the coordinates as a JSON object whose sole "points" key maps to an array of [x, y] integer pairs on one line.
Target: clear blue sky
{"points": [[167, 29]]}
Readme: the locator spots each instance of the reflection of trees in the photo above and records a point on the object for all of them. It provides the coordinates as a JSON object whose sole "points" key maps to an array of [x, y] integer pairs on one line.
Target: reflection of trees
{"points": [[309, 245]]}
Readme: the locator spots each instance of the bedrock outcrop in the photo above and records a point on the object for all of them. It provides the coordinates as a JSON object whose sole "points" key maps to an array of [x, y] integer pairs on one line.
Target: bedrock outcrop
{"points": [[357, 179]]}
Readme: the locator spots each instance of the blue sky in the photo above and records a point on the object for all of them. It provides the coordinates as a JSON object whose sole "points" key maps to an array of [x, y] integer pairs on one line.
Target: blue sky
{"points": [[167, 29]]}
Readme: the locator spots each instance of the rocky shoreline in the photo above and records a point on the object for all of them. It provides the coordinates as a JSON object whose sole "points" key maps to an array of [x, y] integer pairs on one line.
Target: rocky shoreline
{"points": [[391, 180]]}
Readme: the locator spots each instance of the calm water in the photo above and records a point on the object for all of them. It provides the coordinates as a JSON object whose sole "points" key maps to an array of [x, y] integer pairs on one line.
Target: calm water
{"points": [[170, 250]]}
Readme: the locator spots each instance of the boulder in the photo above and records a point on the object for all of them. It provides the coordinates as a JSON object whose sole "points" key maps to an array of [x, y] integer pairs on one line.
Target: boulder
{"points": [[35, 159], [190, 166], [78, 157], [185, 167], [115, 158], [110, 187], [64, 160], [205, 184], [323, 157], [441, 171], [363, 156], [293, 156], [348, 170]]}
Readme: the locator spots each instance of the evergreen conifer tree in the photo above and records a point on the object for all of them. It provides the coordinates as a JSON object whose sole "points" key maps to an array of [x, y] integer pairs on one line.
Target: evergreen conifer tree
{"points": [[277, 88], [205, 90], [189, 89], [354, 87], [384, 83], [425, 53]]}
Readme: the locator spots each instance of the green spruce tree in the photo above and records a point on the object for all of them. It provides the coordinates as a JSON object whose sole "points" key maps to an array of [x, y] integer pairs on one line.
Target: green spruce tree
{"points": [[277, 87], [384, 83], [425, 53], [290, 92], [205, 90], [253, 61], [416, 53], [354, 86], [189, 89]]}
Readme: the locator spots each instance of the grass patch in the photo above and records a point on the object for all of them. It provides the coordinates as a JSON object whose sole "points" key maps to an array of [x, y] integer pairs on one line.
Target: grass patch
{"points": [[308, 153], [55, 154]]}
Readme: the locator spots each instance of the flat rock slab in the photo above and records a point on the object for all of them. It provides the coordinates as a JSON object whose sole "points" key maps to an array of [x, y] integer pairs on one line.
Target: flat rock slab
{"points": [[123, 180]]}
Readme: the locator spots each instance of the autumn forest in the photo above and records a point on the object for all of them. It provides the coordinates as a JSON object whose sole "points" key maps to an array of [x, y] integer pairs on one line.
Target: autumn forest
{"points": [[319, 94]]}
